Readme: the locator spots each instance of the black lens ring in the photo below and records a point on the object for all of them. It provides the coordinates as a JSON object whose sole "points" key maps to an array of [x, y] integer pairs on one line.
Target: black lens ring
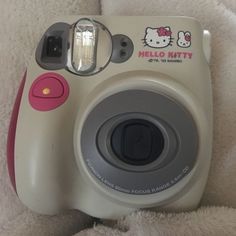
{"points": [[144, 144]]}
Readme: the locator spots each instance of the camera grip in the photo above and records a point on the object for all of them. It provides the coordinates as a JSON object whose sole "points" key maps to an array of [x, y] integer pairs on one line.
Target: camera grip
{"points": [[43, 144]]}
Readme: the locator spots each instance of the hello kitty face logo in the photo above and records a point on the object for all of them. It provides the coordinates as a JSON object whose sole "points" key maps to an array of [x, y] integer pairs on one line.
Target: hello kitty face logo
{"points": [[184, 39], [158, 37]]}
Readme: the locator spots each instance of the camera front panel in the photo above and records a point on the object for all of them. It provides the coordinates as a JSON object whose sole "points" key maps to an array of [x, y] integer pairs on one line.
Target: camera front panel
{"points": [[139, 142]]}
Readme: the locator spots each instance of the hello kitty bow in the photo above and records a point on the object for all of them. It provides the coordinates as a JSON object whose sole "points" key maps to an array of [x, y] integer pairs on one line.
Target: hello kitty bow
{"points": [[163, 32], [187, 37]]}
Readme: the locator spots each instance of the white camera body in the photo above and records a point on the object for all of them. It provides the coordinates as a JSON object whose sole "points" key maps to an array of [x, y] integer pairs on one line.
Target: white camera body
{"points": [[115, 114]]}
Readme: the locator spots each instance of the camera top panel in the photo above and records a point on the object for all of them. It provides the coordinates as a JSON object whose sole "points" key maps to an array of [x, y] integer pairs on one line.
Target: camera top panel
{"points": [[87, 45]]}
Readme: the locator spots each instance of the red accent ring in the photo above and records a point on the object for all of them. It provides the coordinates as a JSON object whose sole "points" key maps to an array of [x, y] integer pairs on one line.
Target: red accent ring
{"points": [[12, 134]]}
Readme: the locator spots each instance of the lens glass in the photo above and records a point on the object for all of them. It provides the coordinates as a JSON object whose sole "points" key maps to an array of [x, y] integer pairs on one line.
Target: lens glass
{"points": [[137, 142]]}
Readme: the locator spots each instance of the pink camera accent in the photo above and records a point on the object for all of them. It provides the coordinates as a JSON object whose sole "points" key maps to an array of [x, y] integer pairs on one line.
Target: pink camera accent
{"points": [[48, 91], [162, 31], [12, 135]]}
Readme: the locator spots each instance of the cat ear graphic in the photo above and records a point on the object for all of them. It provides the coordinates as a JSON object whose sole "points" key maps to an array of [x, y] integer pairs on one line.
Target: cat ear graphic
{"points": [[148, 29], [187, 36], [187, 33], [181, 34]]}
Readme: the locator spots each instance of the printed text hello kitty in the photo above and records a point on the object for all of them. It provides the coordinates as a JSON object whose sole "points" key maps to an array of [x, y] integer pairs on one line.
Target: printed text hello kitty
{"points": [[164, 54]]}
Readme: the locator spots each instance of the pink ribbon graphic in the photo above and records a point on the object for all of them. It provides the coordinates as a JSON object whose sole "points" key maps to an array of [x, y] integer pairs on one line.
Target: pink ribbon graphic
{"points": [[187, 37], [163, 32]]}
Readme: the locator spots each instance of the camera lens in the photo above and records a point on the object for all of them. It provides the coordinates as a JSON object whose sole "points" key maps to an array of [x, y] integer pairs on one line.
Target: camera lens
{"points": [[137, 142]]}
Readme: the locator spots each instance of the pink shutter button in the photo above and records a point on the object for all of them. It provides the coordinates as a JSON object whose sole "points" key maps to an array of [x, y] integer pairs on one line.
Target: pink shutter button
{"points": [[48, 91]]}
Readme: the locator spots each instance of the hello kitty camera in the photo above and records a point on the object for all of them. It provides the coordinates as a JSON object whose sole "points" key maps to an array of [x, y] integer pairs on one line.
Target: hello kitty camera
{"points": [[114, 114]]}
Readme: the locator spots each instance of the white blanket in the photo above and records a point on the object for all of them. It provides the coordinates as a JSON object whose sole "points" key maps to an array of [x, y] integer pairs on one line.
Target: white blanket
{"points": [[22, 24]]}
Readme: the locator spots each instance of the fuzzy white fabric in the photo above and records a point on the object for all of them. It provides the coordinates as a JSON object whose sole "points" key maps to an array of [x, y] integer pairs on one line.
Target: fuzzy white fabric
{"points": [[204, 222], [22, 24]]}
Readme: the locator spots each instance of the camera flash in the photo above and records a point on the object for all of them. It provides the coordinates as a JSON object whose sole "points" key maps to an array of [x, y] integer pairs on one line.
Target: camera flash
{"points": [[84, 46]]}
